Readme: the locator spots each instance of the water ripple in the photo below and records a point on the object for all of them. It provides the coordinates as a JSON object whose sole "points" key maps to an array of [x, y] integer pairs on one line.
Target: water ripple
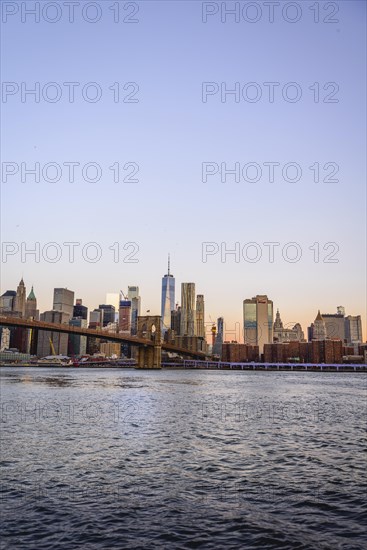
{"points": [[177, 460]]}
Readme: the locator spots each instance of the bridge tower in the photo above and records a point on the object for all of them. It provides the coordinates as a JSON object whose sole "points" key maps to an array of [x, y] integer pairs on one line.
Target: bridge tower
{"points": [[149, 327]]}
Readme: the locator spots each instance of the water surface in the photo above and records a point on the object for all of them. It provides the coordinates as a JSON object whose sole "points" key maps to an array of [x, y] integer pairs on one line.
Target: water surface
{"points": [[98, 459]]}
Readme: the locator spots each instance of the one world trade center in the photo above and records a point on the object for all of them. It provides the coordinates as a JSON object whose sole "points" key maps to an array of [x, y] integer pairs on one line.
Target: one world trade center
{"points": [[168, 299]]}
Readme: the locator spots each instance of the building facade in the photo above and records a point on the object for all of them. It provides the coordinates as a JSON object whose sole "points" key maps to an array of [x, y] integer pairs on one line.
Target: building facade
{"points": [[80, 311], [20, 299], [283, 334], [77, 343], [318, 351], [188, 314], [96, 319], [319, 328], [218, 343], [353, 329], [133, 296], [176, 320], [335, 324], [7, 302], [108, 311], [233, 352], [45, 337], [125, 316], [200, 316], [64, 301], [31, 311], [258, 321]]}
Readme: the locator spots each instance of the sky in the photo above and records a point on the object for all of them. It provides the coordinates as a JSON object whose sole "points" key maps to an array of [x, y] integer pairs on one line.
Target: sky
{"points": [[158, 113]]}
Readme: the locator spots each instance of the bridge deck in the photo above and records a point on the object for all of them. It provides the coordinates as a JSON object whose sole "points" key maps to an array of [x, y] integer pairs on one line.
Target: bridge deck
{"points": [[110, 336]]}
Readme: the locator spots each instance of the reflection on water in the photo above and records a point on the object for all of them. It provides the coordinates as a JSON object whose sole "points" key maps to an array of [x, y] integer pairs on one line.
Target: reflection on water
{"points": [[112, 459]]}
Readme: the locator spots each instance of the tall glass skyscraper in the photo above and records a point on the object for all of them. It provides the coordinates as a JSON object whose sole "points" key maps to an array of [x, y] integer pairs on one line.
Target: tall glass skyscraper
{"points": [[217, 348], [168, 298], [258, 321]]}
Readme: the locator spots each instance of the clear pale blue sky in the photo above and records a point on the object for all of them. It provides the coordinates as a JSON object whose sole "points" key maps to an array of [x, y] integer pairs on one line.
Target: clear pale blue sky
{"points": [[169, 133]]}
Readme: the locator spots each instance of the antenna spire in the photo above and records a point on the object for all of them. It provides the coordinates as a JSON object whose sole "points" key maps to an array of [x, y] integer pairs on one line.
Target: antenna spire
{"points": [[169, 261]]}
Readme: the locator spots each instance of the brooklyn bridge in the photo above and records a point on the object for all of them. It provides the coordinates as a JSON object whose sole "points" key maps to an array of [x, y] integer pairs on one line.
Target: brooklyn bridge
{"points": [[148, 339]]}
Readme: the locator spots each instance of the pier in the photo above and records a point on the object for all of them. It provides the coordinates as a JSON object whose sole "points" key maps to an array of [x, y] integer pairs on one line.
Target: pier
{"points": [[268, 367]]}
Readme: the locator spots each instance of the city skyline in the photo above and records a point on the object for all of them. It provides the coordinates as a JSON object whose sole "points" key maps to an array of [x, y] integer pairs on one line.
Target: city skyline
{"points": [[296, 298], [233, 330]]}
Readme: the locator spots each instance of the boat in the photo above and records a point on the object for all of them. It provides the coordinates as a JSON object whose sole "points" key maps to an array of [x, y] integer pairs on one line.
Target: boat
{"points": [[53, 361]]}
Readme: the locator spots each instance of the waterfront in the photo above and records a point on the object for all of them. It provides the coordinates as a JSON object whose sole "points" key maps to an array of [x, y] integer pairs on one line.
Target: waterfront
{"points": [[198, 365], [183, 459]]}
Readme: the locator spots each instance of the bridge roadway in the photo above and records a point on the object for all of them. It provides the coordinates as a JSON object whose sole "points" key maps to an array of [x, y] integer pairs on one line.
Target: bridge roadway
{"points": [[111, 336]]}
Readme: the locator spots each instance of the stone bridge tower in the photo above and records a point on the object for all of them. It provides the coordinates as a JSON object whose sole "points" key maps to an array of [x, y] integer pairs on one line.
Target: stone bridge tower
{"points": [[149, 327]]}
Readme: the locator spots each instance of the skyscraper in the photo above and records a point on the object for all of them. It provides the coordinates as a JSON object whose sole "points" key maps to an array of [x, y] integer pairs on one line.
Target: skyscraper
{"points": [[125, 316], [319, 328], [258, 321], [132, 292], [353, 329], [96, 319], [59, 340], [278, 325], [77, 344], [188, 315], [62, 312], [168, 298], [12, 304], [20, 299], [200, 316], [217, 348], [335, 323], [108, 312], [80, 311], [7, 302], [176, 320], [31, 311], [63, 301], [133, 295]]}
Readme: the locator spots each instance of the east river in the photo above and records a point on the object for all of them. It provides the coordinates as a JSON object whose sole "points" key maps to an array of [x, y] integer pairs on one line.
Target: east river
{"points": [[109, 459]]}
